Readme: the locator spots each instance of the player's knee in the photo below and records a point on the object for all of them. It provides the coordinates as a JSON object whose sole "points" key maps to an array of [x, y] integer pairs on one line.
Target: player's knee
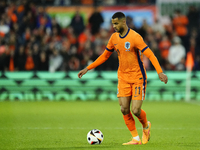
{"points": [[125, 110], [136, 111]]}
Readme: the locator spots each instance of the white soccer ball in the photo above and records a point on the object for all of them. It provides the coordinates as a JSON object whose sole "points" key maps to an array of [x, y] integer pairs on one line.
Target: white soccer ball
{"points": [[95, 136]]}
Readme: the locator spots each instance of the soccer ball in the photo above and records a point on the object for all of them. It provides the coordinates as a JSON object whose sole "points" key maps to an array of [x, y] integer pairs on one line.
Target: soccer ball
{"points": [[95, 136]]}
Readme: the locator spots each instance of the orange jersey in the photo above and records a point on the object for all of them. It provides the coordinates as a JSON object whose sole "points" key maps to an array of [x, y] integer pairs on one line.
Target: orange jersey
{"points": [[129, 49]]}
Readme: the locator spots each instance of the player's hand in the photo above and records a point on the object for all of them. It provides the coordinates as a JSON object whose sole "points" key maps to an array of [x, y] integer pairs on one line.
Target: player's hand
{"points": [[163, 77], [82, 72]]}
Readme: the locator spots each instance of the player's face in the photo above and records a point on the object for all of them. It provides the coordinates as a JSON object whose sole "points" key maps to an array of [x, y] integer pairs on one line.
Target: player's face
{"points": [[118, 25]]}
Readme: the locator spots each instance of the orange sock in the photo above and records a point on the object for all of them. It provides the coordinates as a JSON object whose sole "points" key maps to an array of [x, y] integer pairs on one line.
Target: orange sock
{"points": [[130, 123], [134, 133], [143, 119]]}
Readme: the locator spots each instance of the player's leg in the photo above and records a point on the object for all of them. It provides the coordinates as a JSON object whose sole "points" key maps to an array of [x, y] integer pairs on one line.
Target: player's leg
{"points": [[124, 96], [124, 103], [138, 97], [138, 112]]}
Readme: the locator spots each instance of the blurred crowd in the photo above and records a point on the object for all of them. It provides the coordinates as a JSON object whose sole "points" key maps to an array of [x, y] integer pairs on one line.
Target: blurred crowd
{"points": [[30, 40], [90, 2]]}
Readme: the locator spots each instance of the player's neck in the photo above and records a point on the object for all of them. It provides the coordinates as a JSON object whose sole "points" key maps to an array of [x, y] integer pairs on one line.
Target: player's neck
{"points": [[124, 31]]}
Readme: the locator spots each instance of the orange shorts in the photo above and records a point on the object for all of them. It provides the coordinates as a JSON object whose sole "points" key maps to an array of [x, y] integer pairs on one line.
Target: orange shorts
{"points": [[136, 90]]}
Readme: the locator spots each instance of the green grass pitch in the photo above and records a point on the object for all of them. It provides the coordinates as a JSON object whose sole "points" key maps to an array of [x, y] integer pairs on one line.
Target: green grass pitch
{"points": [[64, 125]]}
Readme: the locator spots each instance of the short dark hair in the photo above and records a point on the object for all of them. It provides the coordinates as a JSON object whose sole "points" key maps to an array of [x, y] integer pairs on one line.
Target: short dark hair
{"points": [[118, 15]]}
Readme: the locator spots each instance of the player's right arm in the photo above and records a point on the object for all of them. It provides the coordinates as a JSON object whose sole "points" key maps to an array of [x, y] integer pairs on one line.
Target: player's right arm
{"points": [[100, 60]]}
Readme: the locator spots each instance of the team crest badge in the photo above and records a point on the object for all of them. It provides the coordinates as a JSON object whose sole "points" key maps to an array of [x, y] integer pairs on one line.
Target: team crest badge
{"points": [[127, 45]]}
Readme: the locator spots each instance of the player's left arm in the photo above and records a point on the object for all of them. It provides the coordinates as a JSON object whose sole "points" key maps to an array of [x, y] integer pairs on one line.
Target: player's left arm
{"points": [[148, 53], [141, 45]]}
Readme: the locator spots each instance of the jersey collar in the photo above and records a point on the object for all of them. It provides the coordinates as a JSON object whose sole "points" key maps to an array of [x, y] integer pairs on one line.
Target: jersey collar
{"points": [[125, 35]]}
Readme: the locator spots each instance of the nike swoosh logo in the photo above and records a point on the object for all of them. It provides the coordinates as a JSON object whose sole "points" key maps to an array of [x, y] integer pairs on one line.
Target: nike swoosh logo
{"points": [[136, 96], [115, 44]]}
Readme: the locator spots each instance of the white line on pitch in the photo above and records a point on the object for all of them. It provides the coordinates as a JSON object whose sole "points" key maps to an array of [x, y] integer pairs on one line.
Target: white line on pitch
{"points": [[82, 128]]}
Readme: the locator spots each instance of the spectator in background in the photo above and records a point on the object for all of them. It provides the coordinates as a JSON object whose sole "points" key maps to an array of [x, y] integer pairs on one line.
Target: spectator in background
{"points": [[22, 27], [27, 35], [65, 54], [3, 56], [55, 36], [164, 46], [74, 63], [55, 61], [29, 64], [194, 47], [55, 25], [156, 51], [177, 54], [36, 56], [30, 14], [4, 28], [31, 20], [193, 18], [86, 55], [2, 7], [130, 23], [143, 29], [11, 61], [11, 12], [12, 41], [22, 23], [77, 24], [193, 39], [71, 36], [20, 58], [49, 49], [43, 62], [157, 26], [83, 38], [95, 21], [180, 23], [158, 36], [43, 18]]}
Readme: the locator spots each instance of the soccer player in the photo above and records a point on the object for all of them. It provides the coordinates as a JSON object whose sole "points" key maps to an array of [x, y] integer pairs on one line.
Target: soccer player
{"points": [[132, 78]]}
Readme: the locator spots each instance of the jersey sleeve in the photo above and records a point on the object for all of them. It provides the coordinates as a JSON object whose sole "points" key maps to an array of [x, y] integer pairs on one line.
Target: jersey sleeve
{"points": [[110, 46], [142, 46], [101, 59], [148, 53], [139, 43]]}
